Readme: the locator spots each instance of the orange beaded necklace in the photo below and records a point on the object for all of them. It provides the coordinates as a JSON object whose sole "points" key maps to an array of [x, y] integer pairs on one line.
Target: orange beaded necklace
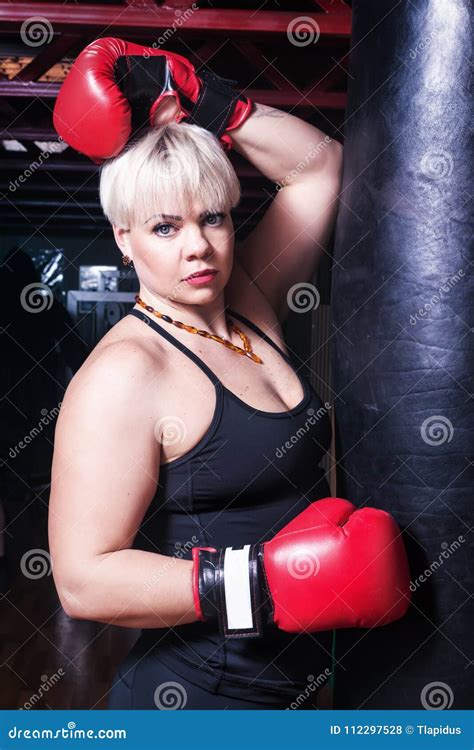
{"points": [[246, 351]]}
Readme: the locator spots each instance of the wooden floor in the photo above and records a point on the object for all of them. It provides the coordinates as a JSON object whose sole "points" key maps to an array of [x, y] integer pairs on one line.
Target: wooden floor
{"points": [[48, 660]]}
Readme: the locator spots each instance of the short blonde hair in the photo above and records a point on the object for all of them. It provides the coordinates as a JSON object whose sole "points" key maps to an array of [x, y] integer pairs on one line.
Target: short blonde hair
{"points": [[169, 168]]}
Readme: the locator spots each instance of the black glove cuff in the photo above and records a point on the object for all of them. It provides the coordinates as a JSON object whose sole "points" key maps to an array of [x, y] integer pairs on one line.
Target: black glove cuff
{"points": [[215, 103], [140, 80], [239, 599], [209, 567]]}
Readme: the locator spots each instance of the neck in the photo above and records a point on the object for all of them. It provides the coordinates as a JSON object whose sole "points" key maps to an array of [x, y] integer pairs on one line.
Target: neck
{"points": [[210, 317]]}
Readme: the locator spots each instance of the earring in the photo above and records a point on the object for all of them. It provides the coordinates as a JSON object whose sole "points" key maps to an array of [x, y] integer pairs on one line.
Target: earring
{"points": [[126, 261]]}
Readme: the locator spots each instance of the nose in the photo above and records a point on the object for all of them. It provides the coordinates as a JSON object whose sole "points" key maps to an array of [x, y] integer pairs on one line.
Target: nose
{"points": [[196, 244]]}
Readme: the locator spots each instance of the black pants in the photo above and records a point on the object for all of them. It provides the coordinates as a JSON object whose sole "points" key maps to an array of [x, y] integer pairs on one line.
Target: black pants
{"points": [[163, 689]]}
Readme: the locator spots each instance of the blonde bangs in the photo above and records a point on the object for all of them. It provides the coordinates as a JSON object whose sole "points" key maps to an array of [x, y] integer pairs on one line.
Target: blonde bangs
{"points": [[168, 171]]}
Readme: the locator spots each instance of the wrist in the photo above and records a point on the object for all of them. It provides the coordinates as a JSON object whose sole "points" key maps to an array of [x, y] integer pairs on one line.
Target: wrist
{"points": [[219, 108], [229, 585]]}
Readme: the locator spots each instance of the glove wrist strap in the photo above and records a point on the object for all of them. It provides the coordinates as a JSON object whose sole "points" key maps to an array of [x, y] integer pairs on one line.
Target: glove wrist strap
{"points": [[215, 103], [139, 79], [231, 587]]}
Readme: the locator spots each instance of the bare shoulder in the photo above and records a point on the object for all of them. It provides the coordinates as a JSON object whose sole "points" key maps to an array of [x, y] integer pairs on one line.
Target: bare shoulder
{"points": [[245, 297], [125, 362]]}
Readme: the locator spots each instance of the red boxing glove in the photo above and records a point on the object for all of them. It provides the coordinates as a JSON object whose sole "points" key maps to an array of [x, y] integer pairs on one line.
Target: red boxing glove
{"points": [[331, 567], [115, 87]]}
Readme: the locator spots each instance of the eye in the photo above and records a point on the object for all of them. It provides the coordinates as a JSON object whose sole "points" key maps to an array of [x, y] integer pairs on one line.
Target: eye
{"points": [[162, 226], [219, 216], [163, 230]]}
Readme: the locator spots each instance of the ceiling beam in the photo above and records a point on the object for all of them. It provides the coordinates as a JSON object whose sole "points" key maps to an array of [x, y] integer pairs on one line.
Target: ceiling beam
{"points": [[47, 57], [113, 17], [280, 98]]}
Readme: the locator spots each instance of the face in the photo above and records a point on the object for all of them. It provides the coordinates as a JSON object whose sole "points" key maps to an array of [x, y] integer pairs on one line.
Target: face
{"points": [[167, 248]]}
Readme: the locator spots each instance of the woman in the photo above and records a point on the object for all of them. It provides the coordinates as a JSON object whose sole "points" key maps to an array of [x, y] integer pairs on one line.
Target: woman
{"points": [[176, 435]]}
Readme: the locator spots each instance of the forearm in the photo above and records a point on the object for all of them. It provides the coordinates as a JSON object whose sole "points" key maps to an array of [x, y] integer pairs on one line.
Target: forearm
{"points": [[283, 147], [133, 589]]}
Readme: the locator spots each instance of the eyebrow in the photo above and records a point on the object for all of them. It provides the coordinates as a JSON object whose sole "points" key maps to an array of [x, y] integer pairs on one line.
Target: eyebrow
{"points": [[173, 218]]}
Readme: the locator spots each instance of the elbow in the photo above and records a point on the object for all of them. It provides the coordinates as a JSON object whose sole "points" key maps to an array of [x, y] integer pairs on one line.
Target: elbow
{"points": [[72, 608], [72, 598], [72, 604]]}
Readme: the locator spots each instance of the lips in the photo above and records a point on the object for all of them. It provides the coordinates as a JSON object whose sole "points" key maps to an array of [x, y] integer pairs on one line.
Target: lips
{"points": [[206, 272]]}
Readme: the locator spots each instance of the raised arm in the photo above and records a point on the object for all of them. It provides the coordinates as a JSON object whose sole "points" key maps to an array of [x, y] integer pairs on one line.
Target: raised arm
{"points": [[285, 247], [104, 475]]}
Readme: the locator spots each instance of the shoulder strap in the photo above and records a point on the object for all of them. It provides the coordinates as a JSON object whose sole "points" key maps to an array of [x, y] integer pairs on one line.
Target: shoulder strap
{"points": [[178, 344], [258, 331]]}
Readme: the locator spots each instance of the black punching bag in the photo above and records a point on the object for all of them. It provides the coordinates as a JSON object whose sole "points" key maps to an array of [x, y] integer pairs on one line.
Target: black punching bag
{"points": [[401, 302]]}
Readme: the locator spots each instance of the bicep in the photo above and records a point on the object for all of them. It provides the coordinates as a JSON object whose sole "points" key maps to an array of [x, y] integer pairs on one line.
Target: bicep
{"points": [[285, 247], [104, 473]]}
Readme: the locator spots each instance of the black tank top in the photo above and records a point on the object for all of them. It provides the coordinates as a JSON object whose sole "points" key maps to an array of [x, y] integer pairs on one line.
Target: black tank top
{"points": [[249, 475]]}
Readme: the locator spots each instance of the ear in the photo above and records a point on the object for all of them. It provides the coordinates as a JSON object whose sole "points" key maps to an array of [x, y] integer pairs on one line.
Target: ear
{"points": [[122, 238]]}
